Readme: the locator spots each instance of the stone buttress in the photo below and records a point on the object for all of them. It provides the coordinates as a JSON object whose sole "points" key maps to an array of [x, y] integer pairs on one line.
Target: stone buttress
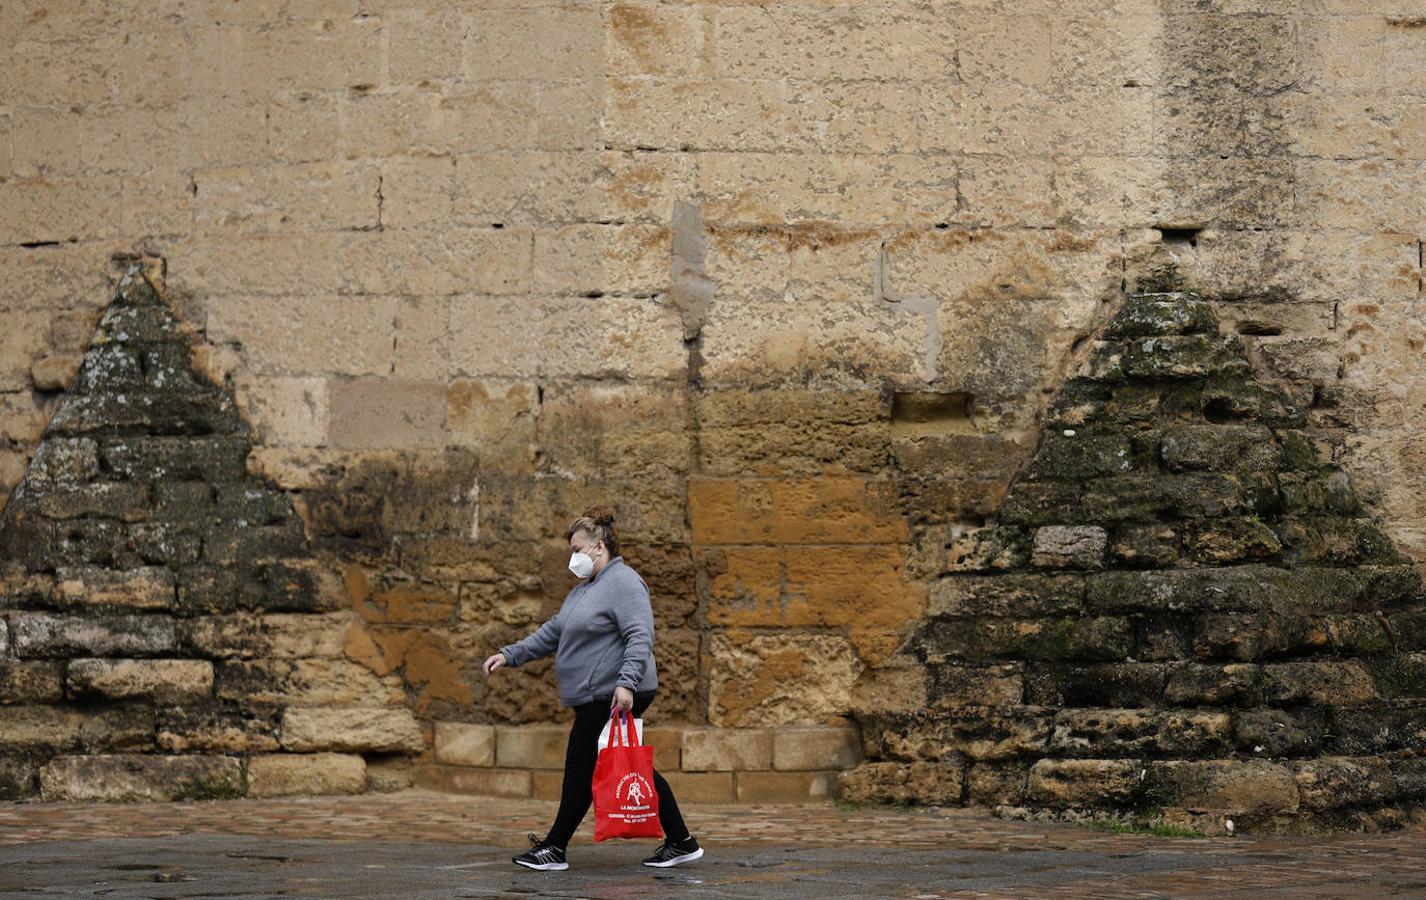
{"points": [[165, 630], [1181, 612]]}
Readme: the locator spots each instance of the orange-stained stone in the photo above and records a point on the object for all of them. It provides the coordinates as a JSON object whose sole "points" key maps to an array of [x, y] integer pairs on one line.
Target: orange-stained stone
{"points": [[829, 509]]}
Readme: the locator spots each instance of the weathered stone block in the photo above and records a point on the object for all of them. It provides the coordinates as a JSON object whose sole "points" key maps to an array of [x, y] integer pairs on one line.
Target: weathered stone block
{"points": [[1068, 454], [20, 774], [1251, 786], [1145, 315], [822, 510], [1011, 594], [351, 730], [288, 774], [1252, 636], [1220, 448], [31, 681], [667, 742], [160, 680], [130, 777], [1069, 547], [464, 744], [482, 782], [806, 749], [1124, 684], [940, 783], [996, 784], [1335, 540], [784, 787], [1332, 781], [150, 587], [776, 678], [1318, 682], [306, 681], [209, 728], [1230, 539], [1088, 638], [988, 549], [1234, 684], [188, 458], [389, 773], [546, 784], [1277, 732], [531, 746], [953, 686], [702, 787], [1376, 727], [726, 749], [64, 459], [1084, 782], [110, 635]]}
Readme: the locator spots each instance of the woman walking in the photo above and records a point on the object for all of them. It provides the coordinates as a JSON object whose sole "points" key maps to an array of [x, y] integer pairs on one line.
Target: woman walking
{"points": [[603, 641]]}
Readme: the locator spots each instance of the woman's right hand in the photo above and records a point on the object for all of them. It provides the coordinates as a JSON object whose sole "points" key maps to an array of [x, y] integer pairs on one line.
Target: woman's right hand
{"points": [[494, 663]]}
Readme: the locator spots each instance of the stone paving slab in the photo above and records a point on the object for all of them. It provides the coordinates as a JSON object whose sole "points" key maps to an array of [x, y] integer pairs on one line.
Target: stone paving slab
{"points": [[426, 844]]}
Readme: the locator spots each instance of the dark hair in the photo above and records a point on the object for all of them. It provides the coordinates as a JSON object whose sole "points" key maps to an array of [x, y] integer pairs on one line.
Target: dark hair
{"points": [[598, 523]]}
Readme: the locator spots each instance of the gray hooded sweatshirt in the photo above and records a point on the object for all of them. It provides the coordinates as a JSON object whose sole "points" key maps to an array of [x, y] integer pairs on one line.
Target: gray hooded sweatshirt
{"points": [[602, 637]]}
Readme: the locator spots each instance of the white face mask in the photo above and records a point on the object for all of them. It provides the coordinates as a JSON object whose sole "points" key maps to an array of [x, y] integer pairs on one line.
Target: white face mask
{"points": [[581, 565]]}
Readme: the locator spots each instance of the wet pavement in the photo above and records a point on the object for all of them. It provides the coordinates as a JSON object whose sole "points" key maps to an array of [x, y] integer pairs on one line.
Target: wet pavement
{"points": [[425, 844]]}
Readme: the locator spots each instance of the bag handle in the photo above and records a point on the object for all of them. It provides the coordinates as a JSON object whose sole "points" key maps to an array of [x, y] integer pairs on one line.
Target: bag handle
{"points": [[622, 732]]}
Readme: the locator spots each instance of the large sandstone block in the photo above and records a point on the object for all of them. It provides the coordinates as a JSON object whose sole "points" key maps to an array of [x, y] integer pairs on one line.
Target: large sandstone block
{"points": [[790, 431], [901, 782], [60, 728], [726, 749], [1251, 786], [210, 728], [369, 414], [160, 680], [307, 682], [702, 787], [487, 782], [129, 777], [1084, 782], [772, 679], [784, 787], [824, 510], [31, 681], [286, 774], [953, 686], [350, 729], [1328, 781], [465, 744], [531, 746], [145, 588], [806, 749]]}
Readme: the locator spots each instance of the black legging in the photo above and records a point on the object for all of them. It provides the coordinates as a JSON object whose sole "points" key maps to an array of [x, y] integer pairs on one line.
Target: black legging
{"points": [[576, 794]]}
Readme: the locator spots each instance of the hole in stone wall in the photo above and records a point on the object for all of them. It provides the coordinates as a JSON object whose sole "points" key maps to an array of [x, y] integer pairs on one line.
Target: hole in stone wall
{"points": [[932, 412], [1219, 410], [1257, 328], [1184, 237]]}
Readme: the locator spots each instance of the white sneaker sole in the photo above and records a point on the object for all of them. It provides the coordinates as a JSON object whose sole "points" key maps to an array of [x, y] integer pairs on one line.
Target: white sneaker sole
{"points": [[677, 860], [545, 867]]}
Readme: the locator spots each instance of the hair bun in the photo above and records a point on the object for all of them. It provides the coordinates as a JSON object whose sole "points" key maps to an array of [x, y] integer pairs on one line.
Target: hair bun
{"points": [[602, 515]]}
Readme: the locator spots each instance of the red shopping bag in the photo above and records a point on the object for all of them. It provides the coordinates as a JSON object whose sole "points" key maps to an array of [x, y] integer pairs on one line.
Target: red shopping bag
{"points": [[625, 803]]}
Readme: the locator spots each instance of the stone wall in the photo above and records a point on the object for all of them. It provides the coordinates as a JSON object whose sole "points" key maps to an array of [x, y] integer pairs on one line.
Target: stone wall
{"points": [[1181, 610], [787, 283], [169, 630]]}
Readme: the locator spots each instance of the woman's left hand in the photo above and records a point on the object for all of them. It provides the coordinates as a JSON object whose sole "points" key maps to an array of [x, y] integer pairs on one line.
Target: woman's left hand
{"points": [[623, 698]]}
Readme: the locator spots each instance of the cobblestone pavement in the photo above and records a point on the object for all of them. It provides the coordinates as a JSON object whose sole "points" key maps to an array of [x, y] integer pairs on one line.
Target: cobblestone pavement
{"points": [[424, 844]]}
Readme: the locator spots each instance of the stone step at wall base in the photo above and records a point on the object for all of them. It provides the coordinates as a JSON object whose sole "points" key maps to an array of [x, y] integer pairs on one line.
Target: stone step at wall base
{"points": [[688, 787], [686, 748]]}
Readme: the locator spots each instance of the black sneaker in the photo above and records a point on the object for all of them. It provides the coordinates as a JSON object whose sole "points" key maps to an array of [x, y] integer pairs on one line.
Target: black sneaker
{"points": [[672, 853], [542, 857]]}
